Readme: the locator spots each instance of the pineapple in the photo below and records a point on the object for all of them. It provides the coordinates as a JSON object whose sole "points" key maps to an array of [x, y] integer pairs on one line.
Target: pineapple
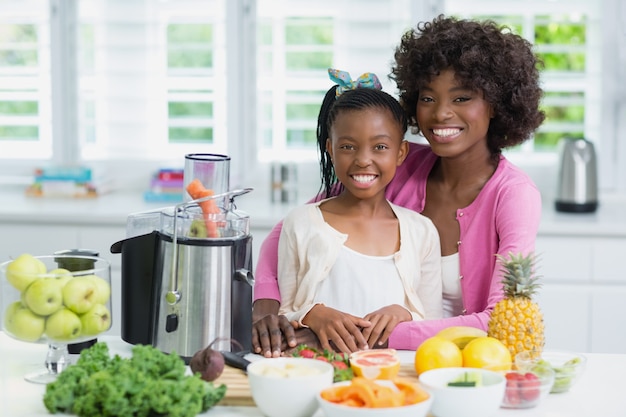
{"points": [[517, 320]]}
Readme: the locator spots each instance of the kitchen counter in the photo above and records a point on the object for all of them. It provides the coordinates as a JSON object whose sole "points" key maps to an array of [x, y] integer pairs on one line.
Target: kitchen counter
{"points": [[113, 209], [599, 392]]}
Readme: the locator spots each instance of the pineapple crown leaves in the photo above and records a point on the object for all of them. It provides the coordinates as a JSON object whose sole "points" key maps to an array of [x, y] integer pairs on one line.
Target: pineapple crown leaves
{"points": [[519, 278]]}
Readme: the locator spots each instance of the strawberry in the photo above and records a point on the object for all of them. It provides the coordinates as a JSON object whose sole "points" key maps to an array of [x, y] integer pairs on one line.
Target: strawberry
{"points": [[339, 364], [307, 353], [512, 393], [530, 387], [321, 358]]}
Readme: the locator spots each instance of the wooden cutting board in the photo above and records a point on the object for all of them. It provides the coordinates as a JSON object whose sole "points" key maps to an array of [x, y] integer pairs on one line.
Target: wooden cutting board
{"points": [[238, 389]]}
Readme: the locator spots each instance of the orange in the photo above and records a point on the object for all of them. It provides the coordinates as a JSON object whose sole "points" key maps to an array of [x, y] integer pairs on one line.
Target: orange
{"points": [[487, 352], [375, 363], [437, 352]]}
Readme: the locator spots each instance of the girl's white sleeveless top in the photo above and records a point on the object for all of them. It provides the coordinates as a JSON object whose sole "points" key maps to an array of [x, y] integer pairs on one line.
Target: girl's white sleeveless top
{"points": [[359, 284]]}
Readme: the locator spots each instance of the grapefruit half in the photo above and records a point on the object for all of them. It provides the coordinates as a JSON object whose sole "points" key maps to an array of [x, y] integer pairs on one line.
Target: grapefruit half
{"points": [[375, 363]]}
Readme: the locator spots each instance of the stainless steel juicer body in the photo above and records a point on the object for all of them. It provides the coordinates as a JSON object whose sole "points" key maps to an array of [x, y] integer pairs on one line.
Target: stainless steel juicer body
{"points": [[181, 292]]}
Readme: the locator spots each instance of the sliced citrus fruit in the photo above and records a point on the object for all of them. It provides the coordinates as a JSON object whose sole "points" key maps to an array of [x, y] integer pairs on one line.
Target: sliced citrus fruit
{"points": [[375, 363], [437, 352]]}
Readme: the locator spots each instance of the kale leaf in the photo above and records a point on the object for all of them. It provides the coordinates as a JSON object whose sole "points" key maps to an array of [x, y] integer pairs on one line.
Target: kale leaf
{"points": [[149, 383]]}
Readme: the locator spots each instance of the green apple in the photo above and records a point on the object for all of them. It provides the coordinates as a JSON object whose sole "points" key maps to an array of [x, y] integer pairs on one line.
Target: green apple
{"points": [[63, 325], [79, 294], [198, 229], [61, 274], [22, 323], [96, 320], [103, 289], [24, 270], [44, 296]]}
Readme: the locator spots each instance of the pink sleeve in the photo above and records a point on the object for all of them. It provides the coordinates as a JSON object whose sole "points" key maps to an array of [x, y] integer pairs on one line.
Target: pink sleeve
{"points": [[409, 335], [266, 274]]}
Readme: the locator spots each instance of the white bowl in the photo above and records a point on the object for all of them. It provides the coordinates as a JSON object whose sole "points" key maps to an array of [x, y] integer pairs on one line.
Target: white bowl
{"points": [[479, 401], [331, 409], [288, 387]]}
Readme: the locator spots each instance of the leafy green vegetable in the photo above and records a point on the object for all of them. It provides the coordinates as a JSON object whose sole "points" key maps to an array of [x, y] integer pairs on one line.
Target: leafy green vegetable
{"points": [[150, 383], [340, 361]]}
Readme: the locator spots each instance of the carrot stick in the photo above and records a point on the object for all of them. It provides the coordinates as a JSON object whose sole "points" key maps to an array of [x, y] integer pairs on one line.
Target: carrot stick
{"points": [[197, 190]]}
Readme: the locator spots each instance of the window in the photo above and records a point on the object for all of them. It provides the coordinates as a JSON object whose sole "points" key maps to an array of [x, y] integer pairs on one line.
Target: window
{"points": [[132, 85], [25, 96], [571, 38], [151, 74], [297, 41], [563, 39]]}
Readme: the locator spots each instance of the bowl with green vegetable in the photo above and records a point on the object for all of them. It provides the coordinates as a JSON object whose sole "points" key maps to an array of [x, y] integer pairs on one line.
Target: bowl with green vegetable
{"points": [[464, 391], [567, 366]]}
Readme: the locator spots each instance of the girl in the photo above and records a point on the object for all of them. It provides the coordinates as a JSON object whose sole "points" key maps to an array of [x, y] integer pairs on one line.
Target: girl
{"points": [[355, 260]]}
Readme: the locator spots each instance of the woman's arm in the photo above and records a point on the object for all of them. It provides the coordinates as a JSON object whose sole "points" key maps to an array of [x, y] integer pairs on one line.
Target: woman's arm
{"points": [[266, 274], [270, 332]]}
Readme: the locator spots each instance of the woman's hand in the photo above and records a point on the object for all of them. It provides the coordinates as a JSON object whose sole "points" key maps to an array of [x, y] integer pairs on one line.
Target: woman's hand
{"points": [[384, 320], [269, 330], [341, 330]]}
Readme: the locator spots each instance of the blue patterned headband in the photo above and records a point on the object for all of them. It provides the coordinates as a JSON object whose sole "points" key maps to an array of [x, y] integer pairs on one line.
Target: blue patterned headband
{"points": [[342, 78]]}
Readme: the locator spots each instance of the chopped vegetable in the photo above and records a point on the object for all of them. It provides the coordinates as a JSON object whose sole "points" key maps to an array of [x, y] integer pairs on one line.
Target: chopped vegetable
{"points": [[363, 392], [148, 383], [564, 374], [467, 379], [197, 190], [340, 361]]}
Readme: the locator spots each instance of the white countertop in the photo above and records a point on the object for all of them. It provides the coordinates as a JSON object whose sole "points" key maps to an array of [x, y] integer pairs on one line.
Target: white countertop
{"points": [[113, 209], [599, 392]]}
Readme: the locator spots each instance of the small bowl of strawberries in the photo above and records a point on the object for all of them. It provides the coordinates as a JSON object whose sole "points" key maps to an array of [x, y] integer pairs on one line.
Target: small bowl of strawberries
{"points": [[527, 388]]}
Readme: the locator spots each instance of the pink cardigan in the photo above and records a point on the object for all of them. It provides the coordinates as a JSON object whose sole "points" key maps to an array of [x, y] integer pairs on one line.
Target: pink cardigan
{"points": [[503, 218]]}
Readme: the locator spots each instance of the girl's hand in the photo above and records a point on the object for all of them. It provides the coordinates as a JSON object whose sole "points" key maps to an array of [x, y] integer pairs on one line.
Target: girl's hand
{"points": [[341, 329], [304, 336], [384, 320], [269, 330]]}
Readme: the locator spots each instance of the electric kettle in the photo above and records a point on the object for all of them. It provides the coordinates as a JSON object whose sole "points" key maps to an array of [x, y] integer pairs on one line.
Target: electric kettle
{"points": [[577, 189]]}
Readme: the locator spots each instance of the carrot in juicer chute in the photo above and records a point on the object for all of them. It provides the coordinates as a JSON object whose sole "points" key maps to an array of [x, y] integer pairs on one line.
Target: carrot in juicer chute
{"points": [[197, 190]]}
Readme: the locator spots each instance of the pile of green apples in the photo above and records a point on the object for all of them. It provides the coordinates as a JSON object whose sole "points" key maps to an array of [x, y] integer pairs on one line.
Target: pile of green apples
{"points": [[62, 305]]}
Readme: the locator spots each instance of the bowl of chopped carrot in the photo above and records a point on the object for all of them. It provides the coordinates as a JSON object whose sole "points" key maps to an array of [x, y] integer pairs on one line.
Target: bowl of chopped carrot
{"points": [[362, 397]]}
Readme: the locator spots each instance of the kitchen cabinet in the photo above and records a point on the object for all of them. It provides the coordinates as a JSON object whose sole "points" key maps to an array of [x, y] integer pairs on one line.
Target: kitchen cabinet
{"points": [[584, 288]]}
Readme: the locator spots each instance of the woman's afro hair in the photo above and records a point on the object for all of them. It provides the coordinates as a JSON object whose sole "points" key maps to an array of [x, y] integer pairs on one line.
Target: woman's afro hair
{"points": [[484, 57]]}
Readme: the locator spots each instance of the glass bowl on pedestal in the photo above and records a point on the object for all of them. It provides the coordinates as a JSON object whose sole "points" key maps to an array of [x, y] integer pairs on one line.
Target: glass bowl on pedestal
{"points": [[45, 303]]}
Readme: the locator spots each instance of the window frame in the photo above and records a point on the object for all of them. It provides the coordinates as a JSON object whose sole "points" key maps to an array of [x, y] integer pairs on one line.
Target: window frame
{"points": [[241, 49]]}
